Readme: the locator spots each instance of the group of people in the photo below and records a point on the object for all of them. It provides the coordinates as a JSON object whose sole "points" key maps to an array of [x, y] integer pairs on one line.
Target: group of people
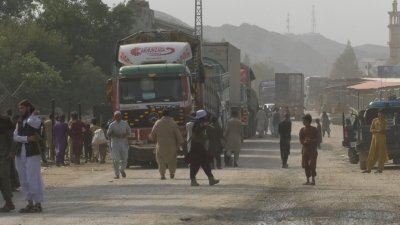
{"points": [[205, 141], [71, 140], [28, 141]]}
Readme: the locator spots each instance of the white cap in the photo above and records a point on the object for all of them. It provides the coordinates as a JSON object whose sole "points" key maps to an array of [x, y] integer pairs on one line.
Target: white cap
{"points": [[117, 112], [201, 114]]}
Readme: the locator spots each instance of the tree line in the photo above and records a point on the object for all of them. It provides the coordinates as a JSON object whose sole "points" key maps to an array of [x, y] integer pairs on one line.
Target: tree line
{"points": [[62, 50]]}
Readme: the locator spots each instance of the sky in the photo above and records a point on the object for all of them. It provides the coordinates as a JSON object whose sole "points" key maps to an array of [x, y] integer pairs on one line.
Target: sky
{"points": [[359, 21]]}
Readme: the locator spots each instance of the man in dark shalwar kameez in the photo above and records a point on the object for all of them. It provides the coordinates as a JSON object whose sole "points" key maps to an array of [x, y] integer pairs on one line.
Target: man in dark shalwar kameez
{"points": [[6, 158]]}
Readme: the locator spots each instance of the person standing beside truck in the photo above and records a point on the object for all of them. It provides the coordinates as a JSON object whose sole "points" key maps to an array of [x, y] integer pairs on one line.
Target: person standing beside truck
{"points": [[119, 132], [276, 119], [233, 138], [261, 120], [215, 136], [168, 137], [285, 134], [378, 149]]}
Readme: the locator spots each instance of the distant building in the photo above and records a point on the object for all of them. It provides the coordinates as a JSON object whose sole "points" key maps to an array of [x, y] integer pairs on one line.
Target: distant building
{"points": [[147, 19], [394, 34]]}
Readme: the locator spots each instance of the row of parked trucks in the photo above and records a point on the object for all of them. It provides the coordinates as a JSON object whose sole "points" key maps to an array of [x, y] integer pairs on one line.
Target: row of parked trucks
{"points": [[175, 70], [285, 92]]}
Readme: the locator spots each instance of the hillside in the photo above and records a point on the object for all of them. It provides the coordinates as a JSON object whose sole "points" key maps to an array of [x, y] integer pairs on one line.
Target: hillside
{"points": [[311, 54]]}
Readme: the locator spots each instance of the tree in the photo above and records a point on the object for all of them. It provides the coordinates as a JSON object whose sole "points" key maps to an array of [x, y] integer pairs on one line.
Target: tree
{"points": [[16, 9], [346, 65]]}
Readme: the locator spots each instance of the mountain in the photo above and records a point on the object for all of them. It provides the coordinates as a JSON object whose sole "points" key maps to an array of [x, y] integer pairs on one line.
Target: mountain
{"points": [[311, 54]]}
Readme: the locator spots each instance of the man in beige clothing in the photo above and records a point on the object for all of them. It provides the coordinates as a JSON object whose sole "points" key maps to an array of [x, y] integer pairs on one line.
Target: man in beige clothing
{"points": [[168, 137], [233, 138]]}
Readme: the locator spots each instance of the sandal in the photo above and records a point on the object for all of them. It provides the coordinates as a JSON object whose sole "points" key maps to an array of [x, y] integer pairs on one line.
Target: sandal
{"points": [[36, 209], [7, 208], [27, 209]]}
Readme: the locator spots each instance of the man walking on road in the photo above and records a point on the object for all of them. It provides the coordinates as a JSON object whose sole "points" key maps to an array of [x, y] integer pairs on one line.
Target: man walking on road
{"points": [[326, 122], [261, 121], [6, 156], [285, 130], [28, 158], [198, 155], [233, 138], [119, 132], [166, 134], [309, 140], [276, 119]]}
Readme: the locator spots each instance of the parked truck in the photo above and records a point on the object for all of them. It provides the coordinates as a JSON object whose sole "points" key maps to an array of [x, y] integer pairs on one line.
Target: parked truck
{"points": [[314, 89], [266, 92], [227, 57], [158, 70], [289, 93]]}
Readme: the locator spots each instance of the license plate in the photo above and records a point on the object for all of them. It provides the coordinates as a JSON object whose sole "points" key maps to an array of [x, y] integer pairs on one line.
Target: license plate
{"points": [[353, 144]]}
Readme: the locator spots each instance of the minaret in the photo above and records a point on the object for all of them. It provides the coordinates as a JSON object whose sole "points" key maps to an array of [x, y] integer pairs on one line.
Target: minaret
{"points": [[394, 33]]}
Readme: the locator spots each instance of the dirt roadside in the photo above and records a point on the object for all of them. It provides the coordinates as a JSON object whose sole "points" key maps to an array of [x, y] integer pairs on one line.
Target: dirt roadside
{"points": [[259, 192]]}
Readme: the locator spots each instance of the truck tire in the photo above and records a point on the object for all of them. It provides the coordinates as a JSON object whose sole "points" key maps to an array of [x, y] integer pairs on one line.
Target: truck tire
{"points": [[396, 160], [353, 156], [363, 160]]}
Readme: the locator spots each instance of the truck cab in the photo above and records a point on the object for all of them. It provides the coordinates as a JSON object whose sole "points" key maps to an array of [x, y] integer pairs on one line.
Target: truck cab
{"points": [[392, 113]]}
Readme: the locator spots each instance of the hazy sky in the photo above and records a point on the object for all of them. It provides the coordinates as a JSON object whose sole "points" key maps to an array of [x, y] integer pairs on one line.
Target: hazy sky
{"points": [[360, 21]]}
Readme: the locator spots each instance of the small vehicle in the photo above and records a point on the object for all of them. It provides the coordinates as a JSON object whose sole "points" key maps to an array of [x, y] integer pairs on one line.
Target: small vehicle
{"points": [[350, 136], [362, 125]]}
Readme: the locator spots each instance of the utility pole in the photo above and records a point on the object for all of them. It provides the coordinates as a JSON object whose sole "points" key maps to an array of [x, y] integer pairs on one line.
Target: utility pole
{"points": [[198, 19]]}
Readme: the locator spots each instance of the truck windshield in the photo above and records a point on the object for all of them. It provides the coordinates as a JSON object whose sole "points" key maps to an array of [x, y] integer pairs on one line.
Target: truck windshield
{"points": [[151, 89]]}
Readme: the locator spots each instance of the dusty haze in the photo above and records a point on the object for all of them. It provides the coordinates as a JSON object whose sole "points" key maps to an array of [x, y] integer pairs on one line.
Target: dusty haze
{"points": [[360, 21]]}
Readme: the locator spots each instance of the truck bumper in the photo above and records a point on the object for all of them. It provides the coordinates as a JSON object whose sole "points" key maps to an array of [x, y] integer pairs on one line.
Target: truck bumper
{"points": [[142, 155]]}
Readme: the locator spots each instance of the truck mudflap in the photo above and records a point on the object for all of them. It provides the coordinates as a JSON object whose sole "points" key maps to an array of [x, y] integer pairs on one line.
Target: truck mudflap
{"points": [[144, 155]]}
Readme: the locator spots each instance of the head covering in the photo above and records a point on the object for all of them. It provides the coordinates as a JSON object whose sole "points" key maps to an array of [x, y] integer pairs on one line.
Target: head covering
{"points": [[201, 114], [117, 113]]}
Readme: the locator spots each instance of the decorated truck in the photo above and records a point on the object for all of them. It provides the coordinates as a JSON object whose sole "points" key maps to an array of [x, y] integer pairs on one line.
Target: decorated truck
{"points": [[158, 70], [227, 57]]}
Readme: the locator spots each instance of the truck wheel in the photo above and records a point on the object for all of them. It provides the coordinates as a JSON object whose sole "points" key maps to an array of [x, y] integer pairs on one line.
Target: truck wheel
{"points": [[396, 160], [363, 160], [353, 157]]}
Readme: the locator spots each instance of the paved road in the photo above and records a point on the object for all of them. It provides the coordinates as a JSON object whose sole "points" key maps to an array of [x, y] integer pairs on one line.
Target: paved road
{"points": [[259, 192]]}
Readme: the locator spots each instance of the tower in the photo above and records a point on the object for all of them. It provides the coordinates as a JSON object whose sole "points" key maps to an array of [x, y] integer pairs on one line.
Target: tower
{"points": [[313, 21], [198, 19], [288, 23], [394, 33]]}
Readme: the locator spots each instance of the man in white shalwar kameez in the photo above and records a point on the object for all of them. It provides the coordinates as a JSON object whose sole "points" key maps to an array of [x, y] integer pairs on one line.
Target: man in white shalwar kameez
{"points": [[27, 160], [119, 132]]}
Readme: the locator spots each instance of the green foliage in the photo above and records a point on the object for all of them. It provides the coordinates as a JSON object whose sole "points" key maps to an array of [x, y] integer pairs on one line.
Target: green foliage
{"points": [[16, 9], [346, 65], [61, 49], [87, 82]]}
